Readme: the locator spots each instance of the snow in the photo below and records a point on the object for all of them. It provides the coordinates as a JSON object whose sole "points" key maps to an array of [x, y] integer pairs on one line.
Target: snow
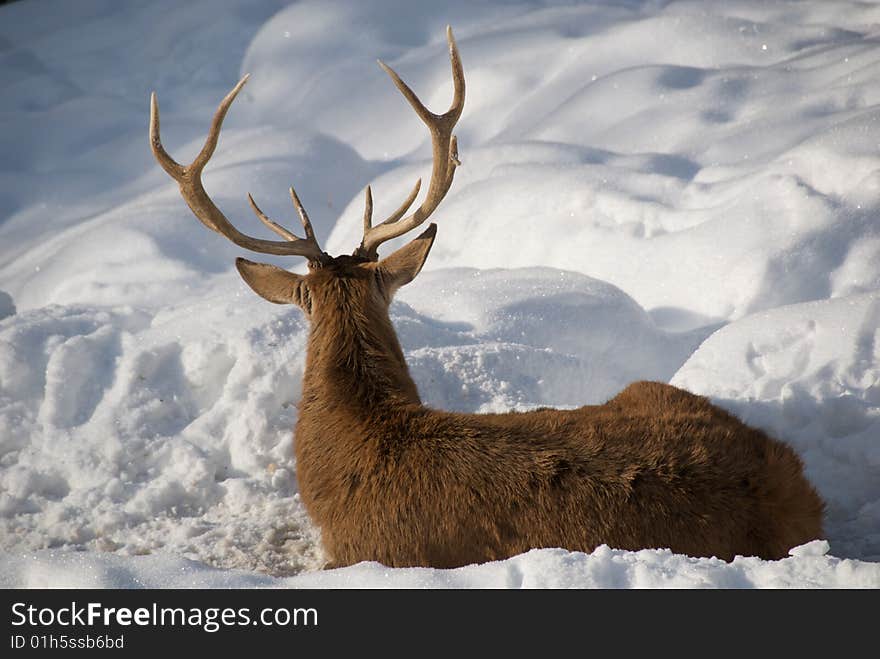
{"points": [[808, 567], [681, 191]]}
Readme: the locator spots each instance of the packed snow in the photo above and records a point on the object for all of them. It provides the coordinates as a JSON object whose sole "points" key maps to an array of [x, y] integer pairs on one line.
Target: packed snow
{"points": [[676, 191]]}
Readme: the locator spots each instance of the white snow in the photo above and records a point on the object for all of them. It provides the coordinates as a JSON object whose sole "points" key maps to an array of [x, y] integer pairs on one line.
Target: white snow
{"points": [[808, 567], [681, 191]]}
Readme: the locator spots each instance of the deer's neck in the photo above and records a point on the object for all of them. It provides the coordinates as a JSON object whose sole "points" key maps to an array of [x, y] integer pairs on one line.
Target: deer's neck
{"points": [[355, 365]]}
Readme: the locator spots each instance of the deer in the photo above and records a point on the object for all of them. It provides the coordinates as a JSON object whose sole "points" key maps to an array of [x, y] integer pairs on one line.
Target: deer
{"points": [[388, 479]]}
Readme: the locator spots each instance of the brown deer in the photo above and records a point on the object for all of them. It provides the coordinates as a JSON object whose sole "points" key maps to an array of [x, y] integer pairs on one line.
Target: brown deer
{"points": [[388, 479]]}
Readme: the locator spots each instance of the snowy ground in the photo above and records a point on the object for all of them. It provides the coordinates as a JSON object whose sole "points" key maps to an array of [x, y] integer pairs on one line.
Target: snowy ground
{"points": [[680, 191]]}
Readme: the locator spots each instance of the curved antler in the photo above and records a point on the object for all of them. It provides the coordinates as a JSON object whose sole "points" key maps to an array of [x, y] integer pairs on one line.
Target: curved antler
{"points": [[445, 159], [189, 178]]}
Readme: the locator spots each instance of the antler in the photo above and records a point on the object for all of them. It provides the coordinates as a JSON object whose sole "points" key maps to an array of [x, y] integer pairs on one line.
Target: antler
{"points": [[445, 158], [190, 181]]}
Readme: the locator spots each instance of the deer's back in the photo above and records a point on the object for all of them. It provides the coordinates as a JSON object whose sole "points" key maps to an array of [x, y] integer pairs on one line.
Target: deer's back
{"points": [[654, 467]]}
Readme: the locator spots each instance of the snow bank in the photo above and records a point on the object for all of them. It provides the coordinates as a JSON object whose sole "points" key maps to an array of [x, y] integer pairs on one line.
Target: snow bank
{"points": [[674, 191], [809, 566], [515, 339], [132, 431]]}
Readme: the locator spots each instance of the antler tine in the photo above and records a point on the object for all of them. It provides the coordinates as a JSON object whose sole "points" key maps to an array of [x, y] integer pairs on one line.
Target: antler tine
{"points": [[274, 226], [189, 179], [404, 207], [368, 209], [396, 215], [303, 216], [216, 124], [444, 148], [171, 166]]}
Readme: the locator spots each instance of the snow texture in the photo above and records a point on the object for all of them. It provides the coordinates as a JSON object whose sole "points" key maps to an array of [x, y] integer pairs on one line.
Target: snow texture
{"points": [[677, 191]]}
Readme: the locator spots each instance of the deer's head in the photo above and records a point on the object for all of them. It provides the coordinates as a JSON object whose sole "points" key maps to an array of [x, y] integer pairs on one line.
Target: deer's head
{"points": [[353, 284], [348, 282]]}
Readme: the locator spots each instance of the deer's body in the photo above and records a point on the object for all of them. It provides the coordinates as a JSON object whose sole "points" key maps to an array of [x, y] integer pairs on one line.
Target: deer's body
{"points": [[390, 480]]}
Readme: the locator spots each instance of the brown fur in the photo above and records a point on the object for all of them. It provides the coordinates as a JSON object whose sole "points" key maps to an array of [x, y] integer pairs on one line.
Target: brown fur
{"points": [[390, 480]]}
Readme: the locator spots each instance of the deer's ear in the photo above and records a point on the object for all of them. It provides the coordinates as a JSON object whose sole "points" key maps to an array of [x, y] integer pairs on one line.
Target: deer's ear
{"points": [[402, 266], [272, 283]]}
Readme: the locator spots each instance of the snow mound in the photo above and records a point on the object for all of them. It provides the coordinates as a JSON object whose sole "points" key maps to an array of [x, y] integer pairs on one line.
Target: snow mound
{"points": [[127, 430], [532, 337]]}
